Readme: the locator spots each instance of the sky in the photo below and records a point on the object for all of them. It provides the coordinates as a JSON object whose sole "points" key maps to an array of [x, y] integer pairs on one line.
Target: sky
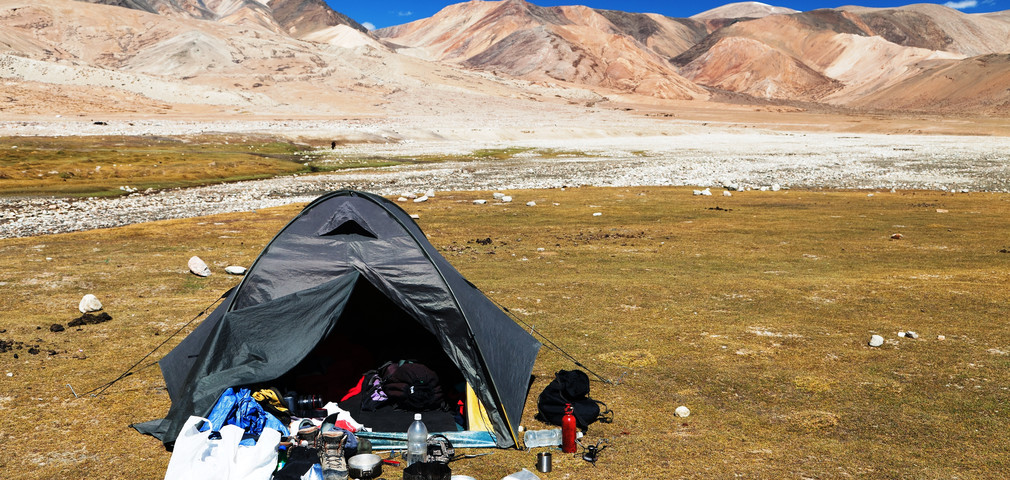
{"points": [[379, 14]]}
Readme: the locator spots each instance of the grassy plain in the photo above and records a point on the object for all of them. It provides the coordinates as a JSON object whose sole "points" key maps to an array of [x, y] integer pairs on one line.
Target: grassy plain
{"points": [[753, 310]]}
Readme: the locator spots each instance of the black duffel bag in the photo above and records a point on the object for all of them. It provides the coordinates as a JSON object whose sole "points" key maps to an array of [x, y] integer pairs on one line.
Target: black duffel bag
{"points": [[571, 387]]}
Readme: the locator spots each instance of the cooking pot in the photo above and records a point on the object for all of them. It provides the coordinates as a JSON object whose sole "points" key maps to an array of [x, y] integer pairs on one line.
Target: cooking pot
{"points": [[364, 466]]}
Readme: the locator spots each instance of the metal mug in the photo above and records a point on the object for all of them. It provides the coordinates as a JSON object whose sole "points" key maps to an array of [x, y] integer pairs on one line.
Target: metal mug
{"points": [[544, 462]]}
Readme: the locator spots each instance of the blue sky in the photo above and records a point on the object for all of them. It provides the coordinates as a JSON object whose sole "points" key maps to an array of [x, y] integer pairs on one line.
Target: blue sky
{"points": [[394, 12]]}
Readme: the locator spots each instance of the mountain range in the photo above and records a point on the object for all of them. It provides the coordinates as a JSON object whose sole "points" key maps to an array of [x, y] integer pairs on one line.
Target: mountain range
{"points": [[302, 57]]}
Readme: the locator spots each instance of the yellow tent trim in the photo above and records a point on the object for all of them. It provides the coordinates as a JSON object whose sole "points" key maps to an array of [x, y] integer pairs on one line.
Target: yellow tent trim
{"points": [[476, 416]]}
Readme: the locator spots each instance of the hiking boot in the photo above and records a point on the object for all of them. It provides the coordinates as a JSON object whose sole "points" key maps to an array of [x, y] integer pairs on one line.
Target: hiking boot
{"points": [[307, 432], [331, 454]]}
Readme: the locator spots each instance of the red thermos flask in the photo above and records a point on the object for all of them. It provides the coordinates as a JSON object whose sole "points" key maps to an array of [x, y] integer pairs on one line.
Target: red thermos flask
{"points": [[568, 431]]}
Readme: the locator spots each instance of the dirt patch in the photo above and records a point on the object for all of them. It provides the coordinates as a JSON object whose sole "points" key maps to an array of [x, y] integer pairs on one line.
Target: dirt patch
{"points": [[90, 319]]}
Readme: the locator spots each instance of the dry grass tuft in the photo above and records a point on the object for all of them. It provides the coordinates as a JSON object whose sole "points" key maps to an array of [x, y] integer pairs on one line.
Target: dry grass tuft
{"points": [[629, 358]]}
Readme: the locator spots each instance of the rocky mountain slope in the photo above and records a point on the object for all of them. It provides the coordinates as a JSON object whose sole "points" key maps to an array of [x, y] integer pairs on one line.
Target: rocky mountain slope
{"points": [[836, 56], [571, 44], [300, 57]]}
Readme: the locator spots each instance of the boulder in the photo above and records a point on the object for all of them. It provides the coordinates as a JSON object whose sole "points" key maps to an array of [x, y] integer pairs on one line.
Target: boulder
{"points": [[479, 202], [421, 199], [198, 267], [531, 203], [876, 341], [235, 270], [89, 304], [506, 199], [682, 411]]}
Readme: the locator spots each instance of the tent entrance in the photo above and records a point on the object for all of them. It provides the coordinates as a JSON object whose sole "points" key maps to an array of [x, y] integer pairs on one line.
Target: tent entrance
{"points": [[371, 331]]}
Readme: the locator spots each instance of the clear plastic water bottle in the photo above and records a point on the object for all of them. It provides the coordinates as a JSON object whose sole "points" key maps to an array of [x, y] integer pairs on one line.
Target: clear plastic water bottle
{"points": [[417, 441], [542, 438]]}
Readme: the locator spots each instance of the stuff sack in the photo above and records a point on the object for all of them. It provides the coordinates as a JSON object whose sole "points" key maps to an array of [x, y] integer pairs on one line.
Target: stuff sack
{"points": [[571, 387], [412, 386], [214, 455]]}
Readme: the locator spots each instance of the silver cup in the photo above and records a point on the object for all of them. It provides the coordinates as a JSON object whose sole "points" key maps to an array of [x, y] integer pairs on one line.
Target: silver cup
{"points": [[544, 462]]}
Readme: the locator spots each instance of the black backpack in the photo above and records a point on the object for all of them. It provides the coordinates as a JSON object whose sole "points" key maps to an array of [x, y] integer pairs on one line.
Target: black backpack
{"points": [[571, 387], [412, 386]]}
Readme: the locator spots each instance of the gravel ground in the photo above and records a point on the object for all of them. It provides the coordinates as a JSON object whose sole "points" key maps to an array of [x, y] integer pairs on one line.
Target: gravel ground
{"points": [[744, 160]]}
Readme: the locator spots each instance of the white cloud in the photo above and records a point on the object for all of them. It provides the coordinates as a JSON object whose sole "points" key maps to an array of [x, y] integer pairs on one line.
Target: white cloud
{"points": [[962, 4], [407, 13], [368, 25]]}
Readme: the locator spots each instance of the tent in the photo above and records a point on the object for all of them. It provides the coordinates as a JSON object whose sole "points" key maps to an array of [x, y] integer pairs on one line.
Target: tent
{"points": [[348, 282]]}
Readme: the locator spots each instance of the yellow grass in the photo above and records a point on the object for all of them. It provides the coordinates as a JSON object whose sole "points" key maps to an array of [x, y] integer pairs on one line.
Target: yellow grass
{"points": [[756, 316]]}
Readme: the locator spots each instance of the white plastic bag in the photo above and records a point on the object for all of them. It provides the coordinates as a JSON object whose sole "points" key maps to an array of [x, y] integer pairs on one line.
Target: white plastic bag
{"points": [[197, 457]]}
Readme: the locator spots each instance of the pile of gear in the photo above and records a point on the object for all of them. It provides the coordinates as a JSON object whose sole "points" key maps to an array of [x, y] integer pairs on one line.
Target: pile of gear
{"points": [[264, 434]]}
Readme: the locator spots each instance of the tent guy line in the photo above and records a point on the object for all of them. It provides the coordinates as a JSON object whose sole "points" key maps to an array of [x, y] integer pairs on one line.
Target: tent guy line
{"points": [[129, 371]]}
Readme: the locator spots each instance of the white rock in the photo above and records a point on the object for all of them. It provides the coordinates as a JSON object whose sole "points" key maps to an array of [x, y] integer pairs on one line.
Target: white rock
{"points": [[597, 214], [706, 192], [421, 199], [235, 270], [401, 199], [697, 192], [941, 337], [479, 202], [911, 334], [429, 193], [531, 203], [89, 304], [726, 193], [415, 216], [776, 187], [876, 341], [506, 199], [408, 195], [901, 334], [682, 411], [198, 267], [498, 195]]}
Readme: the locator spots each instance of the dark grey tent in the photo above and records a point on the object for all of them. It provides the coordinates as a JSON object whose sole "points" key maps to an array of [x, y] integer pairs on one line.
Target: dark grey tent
{"points": [[350, 281]]}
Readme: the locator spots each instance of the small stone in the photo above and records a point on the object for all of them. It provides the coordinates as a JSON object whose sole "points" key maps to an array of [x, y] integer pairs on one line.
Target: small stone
{"points": [[479, 202], [506, 199], [401, 199], [235, 270], [941, 210], [531, 203], [941, 337], [682, 411], [706, 192], [727, 193], [776, 187], [911, 334], [429, 193], [697, 192], [56, 328], [597, 214], [89, 304], [498, 195], [198, 267], [876, 341], [897, 236], [421, 199], [415, 216]]}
